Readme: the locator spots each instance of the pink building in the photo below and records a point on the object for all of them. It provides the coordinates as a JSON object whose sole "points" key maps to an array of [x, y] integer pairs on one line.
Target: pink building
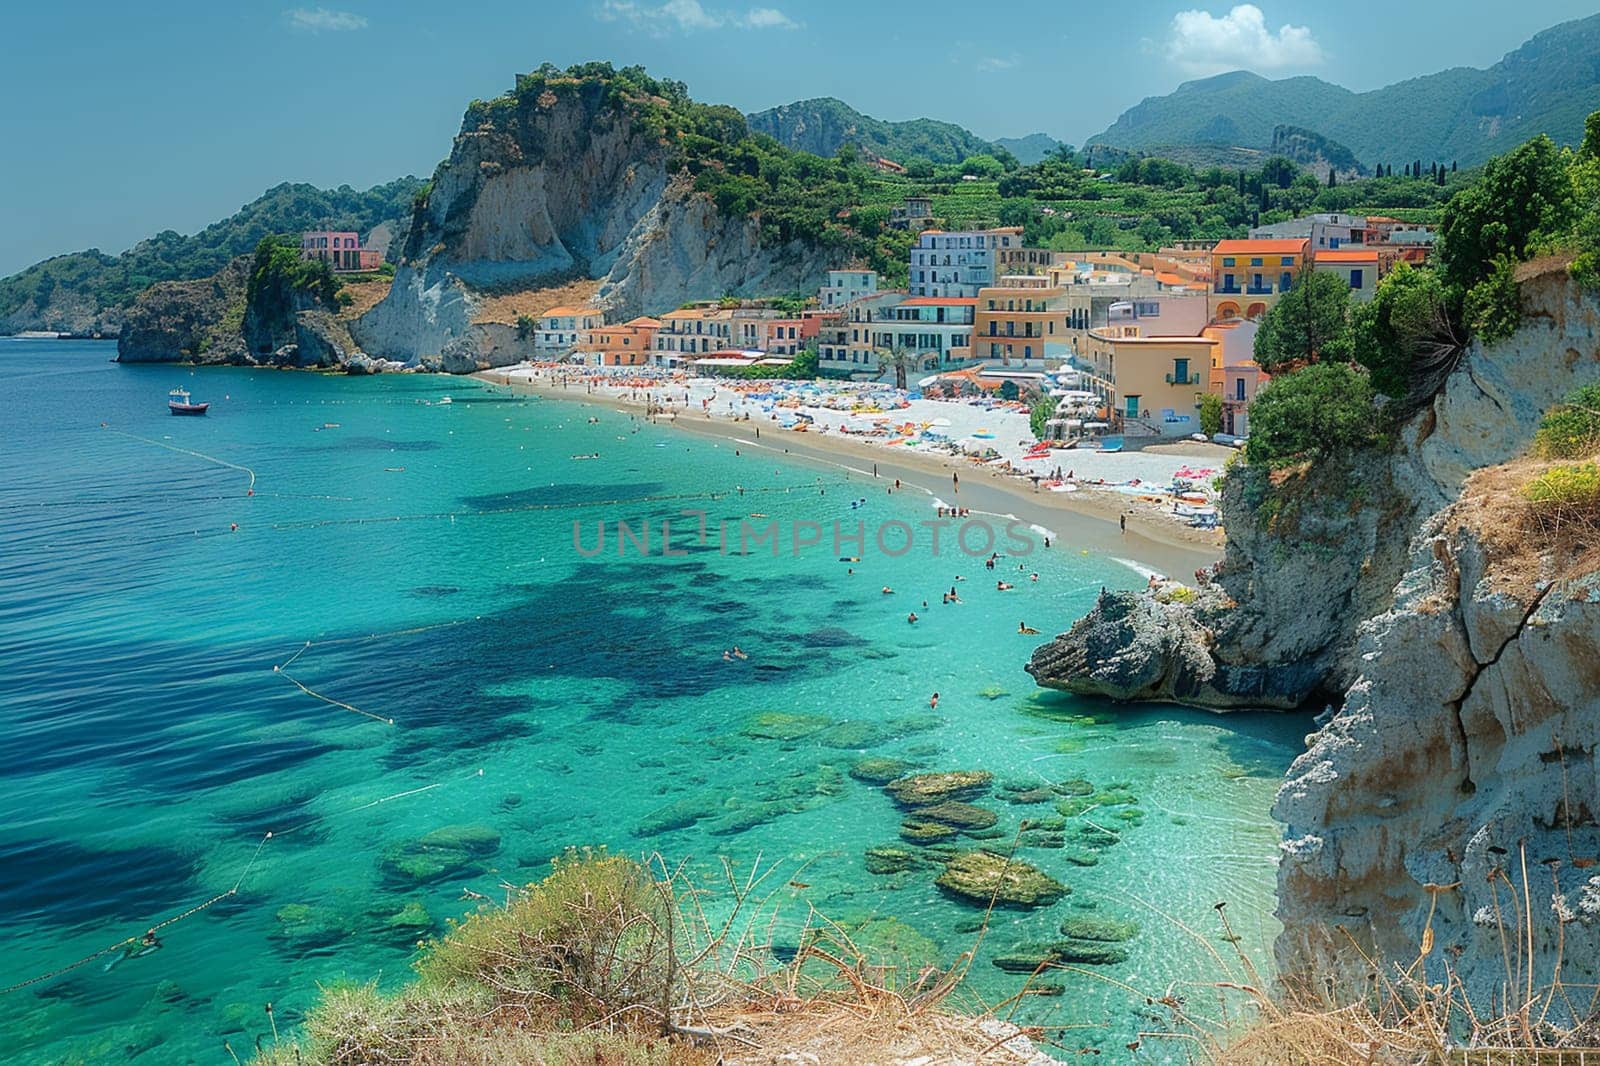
{"points": [[340, 250]]}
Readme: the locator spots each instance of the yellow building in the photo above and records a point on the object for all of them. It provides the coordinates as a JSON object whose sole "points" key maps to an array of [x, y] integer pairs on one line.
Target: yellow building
{"points": [[1154, 382], [1023, 318], [1247, 277]]}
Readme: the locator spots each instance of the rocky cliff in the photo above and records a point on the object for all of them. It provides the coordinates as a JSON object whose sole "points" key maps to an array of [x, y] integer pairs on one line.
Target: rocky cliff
{"points": [[1455, 785], [567, 179], [219, 320], [1458, 783]]}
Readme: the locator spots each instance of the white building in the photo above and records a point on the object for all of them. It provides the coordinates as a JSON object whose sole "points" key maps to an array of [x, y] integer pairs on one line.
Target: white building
{"points": [[844, 287], [958, 264], [1325, 231]]}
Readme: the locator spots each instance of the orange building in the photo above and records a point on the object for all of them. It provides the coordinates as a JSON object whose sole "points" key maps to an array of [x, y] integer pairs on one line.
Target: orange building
{"points": [[624, 345], [1247, 277]]}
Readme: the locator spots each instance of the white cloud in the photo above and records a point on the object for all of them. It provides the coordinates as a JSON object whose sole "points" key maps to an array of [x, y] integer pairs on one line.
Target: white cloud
{"points": [[320, 19], [994, 64], [690, 16], [769, 18], [1202, 43]]}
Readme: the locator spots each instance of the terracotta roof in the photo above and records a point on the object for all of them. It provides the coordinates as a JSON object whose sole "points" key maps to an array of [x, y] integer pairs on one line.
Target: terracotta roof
{"points": [[1169, 279], [940, 301], [643, 322], [1274, 247], [1347, 255], [564, 312]]}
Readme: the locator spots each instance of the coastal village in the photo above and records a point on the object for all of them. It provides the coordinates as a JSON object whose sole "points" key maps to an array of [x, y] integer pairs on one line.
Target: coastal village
{"points": [[1148, 334]]}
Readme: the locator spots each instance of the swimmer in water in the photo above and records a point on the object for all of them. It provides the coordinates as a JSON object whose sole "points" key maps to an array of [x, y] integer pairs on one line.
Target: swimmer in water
{"points": [[887, 591], [1023, 627], [933, 702], [912, 617]]}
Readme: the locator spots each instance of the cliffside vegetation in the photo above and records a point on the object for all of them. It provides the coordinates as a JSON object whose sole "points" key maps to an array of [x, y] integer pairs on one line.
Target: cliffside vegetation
{"points": [[111, 282], [1537, 200]]}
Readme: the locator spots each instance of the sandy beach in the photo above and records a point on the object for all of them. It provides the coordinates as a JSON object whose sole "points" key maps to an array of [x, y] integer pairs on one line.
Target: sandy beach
{"points": [[1084, 520]]}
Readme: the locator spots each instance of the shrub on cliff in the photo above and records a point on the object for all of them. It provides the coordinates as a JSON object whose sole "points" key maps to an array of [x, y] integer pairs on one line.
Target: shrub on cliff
{"points": [[1317, 412], [1572, 429]]}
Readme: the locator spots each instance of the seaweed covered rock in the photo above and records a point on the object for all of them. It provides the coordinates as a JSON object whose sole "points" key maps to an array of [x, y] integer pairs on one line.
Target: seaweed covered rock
{"points": [[958, 814], [925, 790], [1094, 927], [979, 876], [880, 771]]}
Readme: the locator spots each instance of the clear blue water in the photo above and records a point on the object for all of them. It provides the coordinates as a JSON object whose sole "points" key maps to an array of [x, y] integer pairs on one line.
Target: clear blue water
{"points": [[425, 551]]}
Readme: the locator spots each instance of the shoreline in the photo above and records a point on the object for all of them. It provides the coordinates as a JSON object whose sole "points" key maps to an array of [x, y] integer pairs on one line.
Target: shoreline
{"points": [[1085, 520]]}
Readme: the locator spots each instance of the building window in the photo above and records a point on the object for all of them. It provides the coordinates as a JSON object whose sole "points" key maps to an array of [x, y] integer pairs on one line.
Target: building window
{"points": [[1287, 261], [1255, 262], [1356, 278]]}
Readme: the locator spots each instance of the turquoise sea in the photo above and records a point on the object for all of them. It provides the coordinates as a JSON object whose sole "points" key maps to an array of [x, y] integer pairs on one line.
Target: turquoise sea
{"points": [[415, 561]]}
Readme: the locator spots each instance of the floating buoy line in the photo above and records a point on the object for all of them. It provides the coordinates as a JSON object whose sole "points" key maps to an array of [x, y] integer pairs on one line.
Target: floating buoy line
{"points": [[250, 490]]}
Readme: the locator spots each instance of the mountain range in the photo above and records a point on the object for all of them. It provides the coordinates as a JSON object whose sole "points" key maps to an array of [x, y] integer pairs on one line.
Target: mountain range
{"points": [[1464, 114]]}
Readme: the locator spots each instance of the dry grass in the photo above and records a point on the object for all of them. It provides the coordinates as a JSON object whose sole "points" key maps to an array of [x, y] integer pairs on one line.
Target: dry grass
{"points": [[364, 295], [1526, 542], [506, 307]]}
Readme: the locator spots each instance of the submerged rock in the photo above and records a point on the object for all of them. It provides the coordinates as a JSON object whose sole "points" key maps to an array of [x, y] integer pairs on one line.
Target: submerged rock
{"points": [[978, 876], [780, 725], [854, 733], [1095, 927], [1030, 956], [304, 926], [887, 859], [958, 814], [439, 854], [917, 831], [924, 790], [878, 771]]}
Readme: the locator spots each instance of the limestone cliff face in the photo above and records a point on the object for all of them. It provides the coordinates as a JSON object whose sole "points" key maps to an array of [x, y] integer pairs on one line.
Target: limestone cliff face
{"points": [[1457, 779], [1461, 766], [1312, 555], [556, 187]]}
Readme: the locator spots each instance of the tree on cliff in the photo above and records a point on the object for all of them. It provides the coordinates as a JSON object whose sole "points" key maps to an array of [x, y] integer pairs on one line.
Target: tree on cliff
{"points": [[1523, 200], [1308, 324], [1316, 412], [1403, 335]]}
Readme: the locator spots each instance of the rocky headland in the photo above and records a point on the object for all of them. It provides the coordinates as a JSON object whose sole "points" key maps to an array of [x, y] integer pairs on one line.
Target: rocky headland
{"points": [[1453, 787]]}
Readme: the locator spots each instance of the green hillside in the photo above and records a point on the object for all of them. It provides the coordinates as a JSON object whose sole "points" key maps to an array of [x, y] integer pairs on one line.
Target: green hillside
{"points": [[101, 283], [1464, 114], [822, 125]]}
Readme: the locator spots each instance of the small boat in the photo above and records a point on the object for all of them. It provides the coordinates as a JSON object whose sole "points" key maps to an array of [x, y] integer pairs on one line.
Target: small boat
{"points": [[178, 403]]}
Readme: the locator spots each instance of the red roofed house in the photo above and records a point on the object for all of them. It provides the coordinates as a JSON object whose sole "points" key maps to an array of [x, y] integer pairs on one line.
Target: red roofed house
{"points": [[1247, 277], [1358, 266], [624, 345]]}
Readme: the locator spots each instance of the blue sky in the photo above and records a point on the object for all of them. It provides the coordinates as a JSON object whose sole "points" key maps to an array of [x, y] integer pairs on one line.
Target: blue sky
{"points": [[124, 119]]}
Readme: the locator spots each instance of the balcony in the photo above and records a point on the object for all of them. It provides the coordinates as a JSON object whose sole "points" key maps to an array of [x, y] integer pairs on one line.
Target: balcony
{"points": [[1192, 379], [1228, 290], [1259, 290]]}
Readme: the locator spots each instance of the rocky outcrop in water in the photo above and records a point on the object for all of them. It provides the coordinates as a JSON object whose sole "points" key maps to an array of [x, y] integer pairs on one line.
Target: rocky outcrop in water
{"points": [[213, 320], [188, 321], [543, 187]]}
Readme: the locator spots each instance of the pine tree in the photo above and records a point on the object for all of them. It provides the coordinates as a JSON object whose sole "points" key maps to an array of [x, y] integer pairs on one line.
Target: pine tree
{"points": [[1333, 178]]}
